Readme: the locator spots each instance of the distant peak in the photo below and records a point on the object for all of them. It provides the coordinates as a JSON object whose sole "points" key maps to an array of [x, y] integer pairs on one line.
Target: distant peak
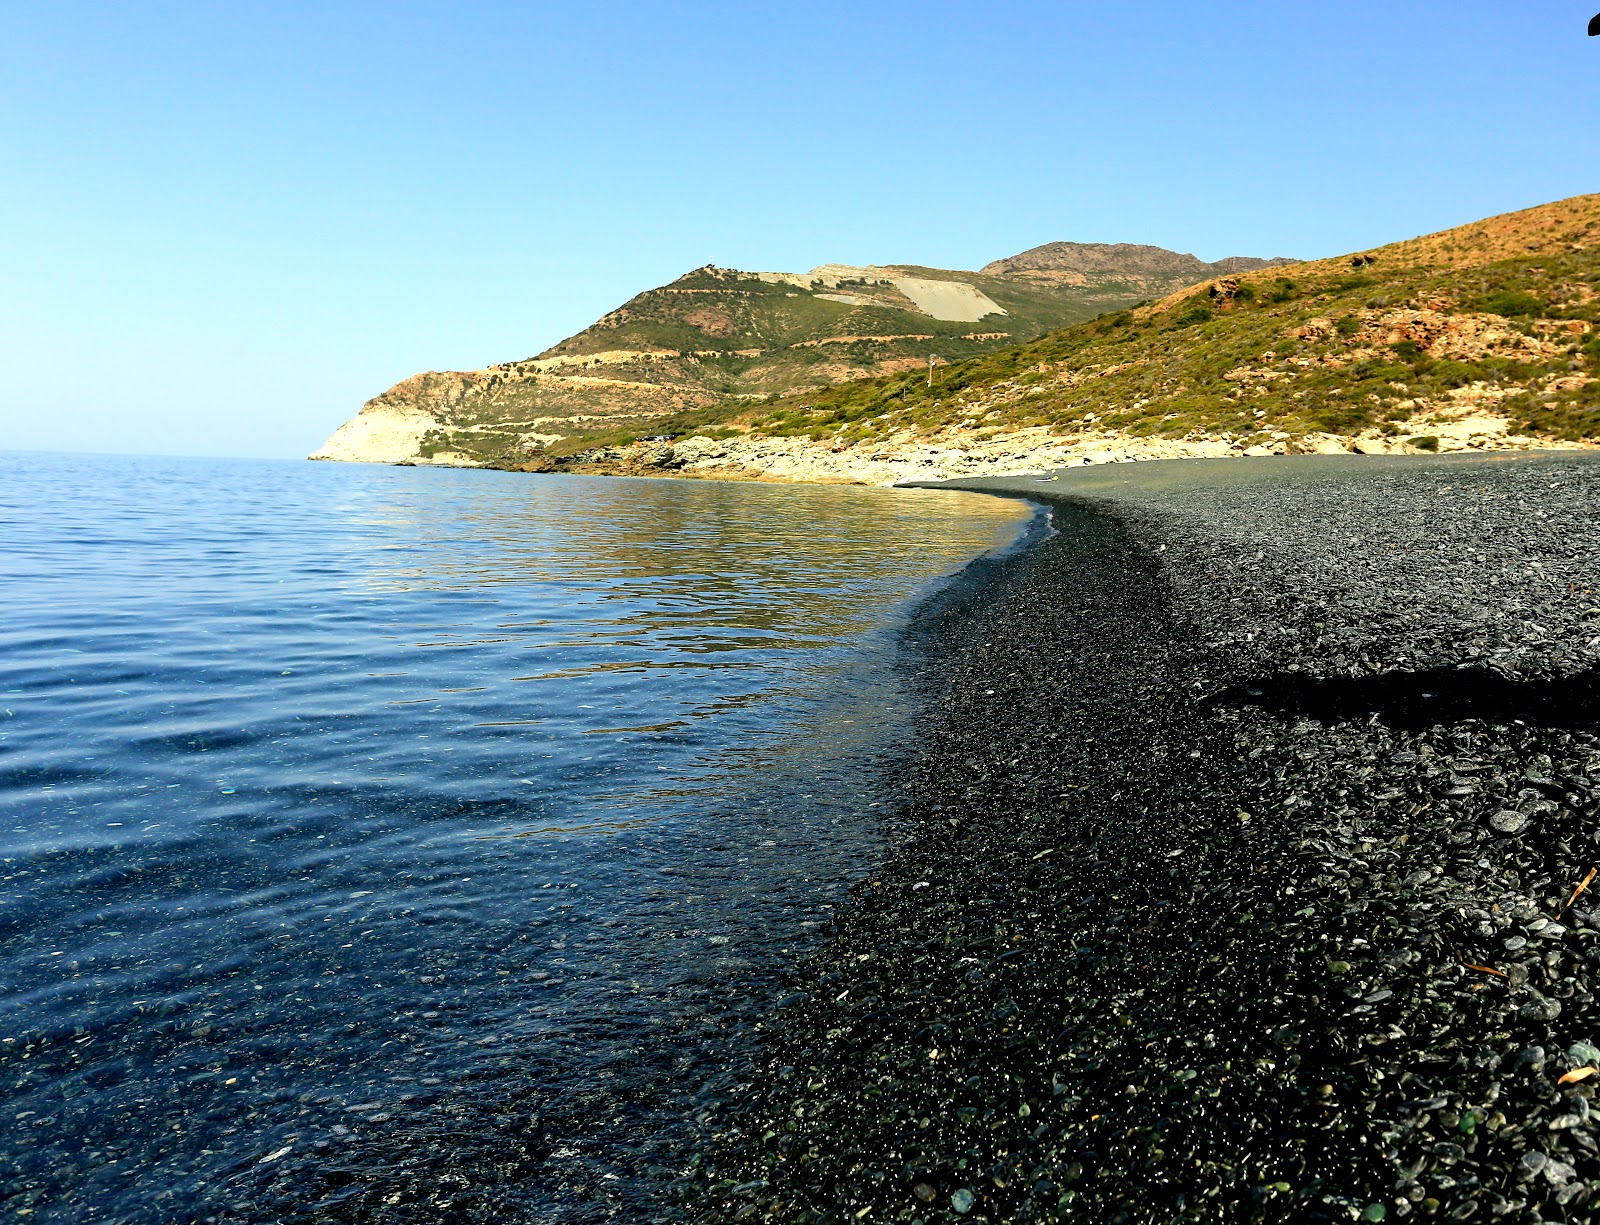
{"points": [[1121, 258]]}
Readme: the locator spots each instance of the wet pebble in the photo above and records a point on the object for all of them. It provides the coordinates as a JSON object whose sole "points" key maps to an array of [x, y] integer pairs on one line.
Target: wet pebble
{"points": [[1337, 1009]]}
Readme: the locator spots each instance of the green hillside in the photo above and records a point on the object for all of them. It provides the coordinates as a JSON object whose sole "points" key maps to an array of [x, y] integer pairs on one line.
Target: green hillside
{"points": [[1495, 317]]}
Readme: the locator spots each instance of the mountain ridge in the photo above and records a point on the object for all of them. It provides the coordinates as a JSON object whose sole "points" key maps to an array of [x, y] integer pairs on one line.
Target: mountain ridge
{"points": [[1136, 258]]}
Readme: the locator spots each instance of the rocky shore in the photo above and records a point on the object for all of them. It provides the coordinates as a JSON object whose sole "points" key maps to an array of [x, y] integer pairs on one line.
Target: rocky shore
{"points": [[1241, 873], [386, 434], [959, 455]]}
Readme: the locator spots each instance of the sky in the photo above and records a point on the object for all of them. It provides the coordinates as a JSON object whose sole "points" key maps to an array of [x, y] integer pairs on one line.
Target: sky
{"points": [[225, 226]]}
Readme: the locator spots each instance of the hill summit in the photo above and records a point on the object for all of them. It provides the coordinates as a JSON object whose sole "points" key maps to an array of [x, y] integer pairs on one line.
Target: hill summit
{"points": [[1066, 261]]}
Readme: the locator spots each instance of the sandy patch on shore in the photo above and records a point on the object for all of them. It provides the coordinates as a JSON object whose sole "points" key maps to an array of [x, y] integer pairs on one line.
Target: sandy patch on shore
{"points": [[890, 463]]}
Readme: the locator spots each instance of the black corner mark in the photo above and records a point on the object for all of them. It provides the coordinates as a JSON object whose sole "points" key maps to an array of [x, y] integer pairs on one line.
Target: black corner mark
{"points": [[1594, 25], [1422, 699]]}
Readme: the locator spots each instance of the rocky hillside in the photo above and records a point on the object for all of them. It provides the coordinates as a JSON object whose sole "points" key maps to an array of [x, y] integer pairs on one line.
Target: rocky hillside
{"points": [[1480, 336], [718, 336]]}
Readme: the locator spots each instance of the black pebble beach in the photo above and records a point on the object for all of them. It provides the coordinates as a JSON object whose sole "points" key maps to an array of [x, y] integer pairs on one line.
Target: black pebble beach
{"points": [[1240, 874]]}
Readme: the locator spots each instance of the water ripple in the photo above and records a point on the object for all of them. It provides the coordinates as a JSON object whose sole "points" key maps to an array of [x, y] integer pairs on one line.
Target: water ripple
{"points": [[375, 844]]}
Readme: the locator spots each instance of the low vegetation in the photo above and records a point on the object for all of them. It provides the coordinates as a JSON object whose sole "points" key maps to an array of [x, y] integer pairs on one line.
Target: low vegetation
{"points": [[1453, 323]]}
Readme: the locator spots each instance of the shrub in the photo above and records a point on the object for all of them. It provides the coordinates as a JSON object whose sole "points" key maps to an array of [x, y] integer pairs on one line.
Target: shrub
{"points": [[1347, 325], [1381, 371], [1198, 313], [1505, 369], [1282, 290], [1336, 416], [1424, 442], [1510, 302], [1573, 418], [1456, 374]]}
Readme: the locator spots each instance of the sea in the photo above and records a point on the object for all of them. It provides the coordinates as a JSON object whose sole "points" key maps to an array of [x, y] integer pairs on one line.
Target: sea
{"points": [[413, 844]]}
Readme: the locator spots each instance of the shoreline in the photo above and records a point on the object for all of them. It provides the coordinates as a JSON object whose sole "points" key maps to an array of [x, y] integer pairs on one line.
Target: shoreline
{"points": [[1202, 910], [942, 459]]}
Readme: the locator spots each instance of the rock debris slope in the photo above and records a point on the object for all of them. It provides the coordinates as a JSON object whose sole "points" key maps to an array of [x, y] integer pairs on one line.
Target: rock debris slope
{"points": [[1241, 874]]}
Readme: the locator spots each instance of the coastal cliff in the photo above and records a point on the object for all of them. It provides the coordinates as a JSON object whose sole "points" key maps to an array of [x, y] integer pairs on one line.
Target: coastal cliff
{"points": [[388, 430]]}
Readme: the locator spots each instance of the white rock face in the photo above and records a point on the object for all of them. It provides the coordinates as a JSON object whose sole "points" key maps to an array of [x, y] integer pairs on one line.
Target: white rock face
{"points": [[378, 435], [952, 300]]}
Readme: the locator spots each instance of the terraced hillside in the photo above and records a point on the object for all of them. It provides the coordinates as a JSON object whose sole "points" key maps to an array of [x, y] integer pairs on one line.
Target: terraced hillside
{"points": [[1475, 335], [716, 335]]}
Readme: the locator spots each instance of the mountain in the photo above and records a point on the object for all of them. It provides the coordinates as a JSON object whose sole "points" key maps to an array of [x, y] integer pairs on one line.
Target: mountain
{"points": [[1066, 262], [1479, 336], [718, 336]]}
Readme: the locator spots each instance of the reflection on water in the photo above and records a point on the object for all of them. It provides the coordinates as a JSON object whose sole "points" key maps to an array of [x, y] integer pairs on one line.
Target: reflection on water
{"points": [[376, 843]]}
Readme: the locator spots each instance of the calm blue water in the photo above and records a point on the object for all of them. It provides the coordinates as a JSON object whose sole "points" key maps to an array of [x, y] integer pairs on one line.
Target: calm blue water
{"points": [[405, 844]]}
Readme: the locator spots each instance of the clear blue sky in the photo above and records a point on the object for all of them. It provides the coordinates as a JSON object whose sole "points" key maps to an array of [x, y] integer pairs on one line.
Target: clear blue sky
{"points": [[224, 226]]}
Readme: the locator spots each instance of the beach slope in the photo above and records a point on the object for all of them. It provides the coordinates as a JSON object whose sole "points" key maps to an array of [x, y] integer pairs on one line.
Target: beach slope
{"points": [[1235, 878]]}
